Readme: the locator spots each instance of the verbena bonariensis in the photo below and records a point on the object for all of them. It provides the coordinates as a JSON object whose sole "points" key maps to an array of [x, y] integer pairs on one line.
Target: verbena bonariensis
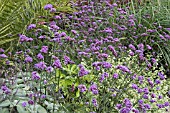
{"points": [[97, 65]]}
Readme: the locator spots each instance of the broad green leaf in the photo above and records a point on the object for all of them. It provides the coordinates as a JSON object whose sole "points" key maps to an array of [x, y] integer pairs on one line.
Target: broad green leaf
{"points": [[21, 109], [41, 109], [5, 103], [5, 110]]}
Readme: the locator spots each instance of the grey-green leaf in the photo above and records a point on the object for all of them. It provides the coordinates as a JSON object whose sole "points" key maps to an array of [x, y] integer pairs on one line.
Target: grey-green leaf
{"points": [[41, 109], [5, 110], [21, 109], [5, 103]]}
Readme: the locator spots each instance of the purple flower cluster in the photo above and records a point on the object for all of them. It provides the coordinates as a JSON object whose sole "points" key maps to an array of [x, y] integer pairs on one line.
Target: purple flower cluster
{"points": [[24, 38], [90, 39], [123, 68], [35, 76], [67, 60], [5, 89], [40, 65], [83, 71], [44, 49], [93, 88], [57, 64], [3, 56], [82, 88], [31, 26]]}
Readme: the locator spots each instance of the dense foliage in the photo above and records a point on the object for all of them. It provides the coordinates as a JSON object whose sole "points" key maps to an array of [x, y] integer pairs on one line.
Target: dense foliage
{"points": [[100, 58]]}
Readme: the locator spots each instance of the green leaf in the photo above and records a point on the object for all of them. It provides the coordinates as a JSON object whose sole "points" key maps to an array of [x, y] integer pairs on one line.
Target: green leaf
{"points": [[41, 109], [5, 103], [78, 93], [21, 109], [5, 110]]}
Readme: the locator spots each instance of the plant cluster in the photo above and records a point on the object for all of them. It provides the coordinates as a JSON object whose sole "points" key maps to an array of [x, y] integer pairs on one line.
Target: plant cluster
{"points": [[97, 59]]}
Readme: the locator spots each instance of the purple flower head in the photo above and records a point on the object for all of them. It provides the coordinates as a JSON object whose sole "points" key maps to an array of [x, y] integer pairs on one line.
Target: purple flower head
{"points": [[57, 17], [28, 59], [31, 102], [52, 10], [115, 75], [147, 106], [153, 95], [162, 37], [153, 60], [125, 110], [167, 36], [140, 101], [63, 34], [139, 51], [140, 78], [40, 56], [48, 6], [83, 71], [94, 102], [40, 65], [123, 68], [134, 86], [131, 53], [132, 47], [157, 81], [148, 47], [31, 26], [93, 89], [141, 46], [44, 49], [74, 32], [3, 56], [161, 75], [106, 74], [145, 96], [166, 104], [144, 34], [152, 101], [82, 88], [57, 64], [67, 60], [42, 37], [45, 81], [140, 90], [102, 77], [35, 76], [43, 96], [115, 5], [160, 105], [106, 65], [5, 89], [2, 50], [108, 30], [127, 103], [146, 90], [49, 69], [112, 49], [119, 106], [23, 38], [24, 104]]}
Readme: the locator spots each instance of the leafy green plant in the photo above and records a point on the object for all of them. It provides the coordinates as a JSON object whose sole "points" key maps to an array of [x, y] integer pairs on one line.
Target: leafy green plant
{"points": [[16, 15]]}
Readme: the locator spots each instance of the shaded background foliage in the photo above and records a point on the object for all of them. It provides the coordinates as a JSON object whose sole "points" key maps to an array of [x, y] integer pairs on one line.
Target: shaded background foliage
{"points": [[15, 15]]}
